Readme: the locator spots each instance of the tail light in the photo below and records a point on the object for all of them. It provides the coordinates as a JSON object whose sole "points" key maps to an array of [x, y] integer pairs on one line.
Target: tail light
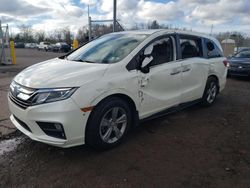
{"points": [[226, 63]]}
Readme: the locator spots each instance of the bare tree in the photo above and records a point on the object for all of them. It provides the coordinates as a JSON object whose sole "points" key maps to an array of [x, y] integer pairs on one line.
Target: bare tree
{"points": [[82, 35], [67, 35], [58, 34], [40, 36], [153, 25], [135, 27], [239, 38], [26, 33], [101, 29]]}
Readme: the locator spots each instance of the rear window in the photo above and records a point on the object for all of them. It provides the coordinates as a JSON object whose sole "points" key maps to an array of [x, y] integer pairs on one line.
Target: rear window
{"points": [[190, 47]]}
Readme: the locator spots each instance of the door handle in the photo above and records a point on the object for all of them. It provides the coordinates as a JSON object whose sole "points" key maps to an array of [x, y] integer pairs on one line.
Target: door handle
{"points": [[186, 69], [175, 72]]}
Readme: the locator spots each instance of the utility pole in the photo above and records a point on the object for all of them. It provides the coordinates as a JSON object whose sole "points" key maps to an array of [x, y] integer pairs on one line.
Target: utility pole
{"points": [[7, 54], [114, 20], [212, 26], [89, 20], [114, 16], [2, 50]]}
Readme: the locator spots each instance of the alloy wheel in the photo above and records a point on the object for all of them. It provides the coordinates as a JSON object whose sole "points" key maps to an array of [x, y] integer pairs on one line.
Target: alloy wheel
{"points": [[113, 125], [211, 92]]}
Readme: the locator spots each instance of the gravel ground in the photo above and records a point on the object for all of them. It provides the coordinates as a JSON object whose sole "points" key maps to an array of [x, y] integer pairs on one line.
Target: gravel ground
{"points": [[197, 147]]}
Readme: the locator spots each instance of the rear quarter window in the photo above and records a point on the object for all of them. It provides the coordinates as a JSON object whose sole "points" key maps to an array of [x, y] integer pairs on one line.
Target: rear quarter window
{"points": [[212, 50]]}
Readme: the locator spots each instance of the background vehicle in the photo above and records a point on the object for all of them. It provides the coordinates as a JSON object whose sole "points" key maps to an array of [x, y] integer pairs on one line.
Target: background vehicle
{"points": [[104, 88], [61, 47], [244, 49], [51, 47], [44, 46], [240, 49], [240, 64], [31, 45], [19, 45]]}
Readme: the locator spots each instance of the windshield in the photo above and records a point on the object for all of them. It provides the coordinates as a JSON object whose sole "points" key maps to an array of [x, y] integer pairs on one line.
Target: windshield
{"points": [[107, 49], [243, 54]]}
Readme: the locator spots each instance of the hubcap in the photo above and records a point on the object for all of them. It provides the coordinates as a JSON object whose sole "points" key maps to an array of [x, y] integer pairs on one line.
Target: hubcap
{"points": [[113, 125], [212, 91]]}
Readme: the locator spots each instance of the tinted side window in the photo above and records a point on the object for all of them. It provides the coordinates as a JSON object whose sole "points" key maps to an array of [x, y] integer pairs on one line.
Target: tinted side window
{"points": [[162, 51], [213, 50], [190, 47]]}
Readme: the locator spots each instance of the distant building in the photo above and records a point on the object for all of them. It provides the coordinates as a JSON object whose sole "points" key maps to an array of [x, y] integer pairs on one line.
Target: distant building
{"points": [[228, 46]]}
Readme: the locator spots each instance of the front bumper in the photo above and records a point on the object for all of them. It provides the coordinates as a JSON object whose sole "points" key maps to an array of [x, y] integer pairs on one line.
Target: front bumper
{"points": [[65, 112], [239, 71]]}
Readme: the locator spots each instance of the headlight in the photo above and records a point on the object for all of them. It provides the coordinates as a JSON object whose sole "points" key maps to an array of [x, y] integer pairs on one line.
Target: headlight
{"points": [[51, 95]]}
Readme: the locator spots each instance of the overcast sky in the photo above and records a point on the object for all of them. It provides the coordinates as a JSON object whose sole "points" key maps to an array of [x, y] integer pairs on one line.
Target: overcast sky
{"points": [[225, 15]]}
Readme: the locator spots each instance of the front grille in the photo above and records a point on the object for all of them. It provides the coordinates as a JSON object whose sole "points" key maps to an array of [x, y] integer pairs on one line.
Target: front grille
{"points": [[240, 65], [22, 104], [24, 125], [17, 90]]}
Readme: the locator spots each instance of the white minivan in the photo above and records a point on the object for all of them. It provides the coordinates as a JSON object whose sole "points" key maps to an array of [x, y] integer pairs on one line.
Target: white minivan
{"points": [[96, 93]]}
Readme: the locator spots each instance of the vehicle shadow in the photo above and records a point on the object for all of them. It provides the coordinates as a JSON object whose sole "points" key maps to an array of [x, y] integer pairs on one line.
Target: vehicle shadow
{"points": [[31, 148], [148, 126]]}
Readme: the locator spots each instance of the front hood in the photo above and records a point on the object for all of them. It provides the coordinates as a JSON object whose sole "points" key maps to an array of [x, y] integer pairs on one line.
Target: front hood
{"points": [[239, 60], [60, 73]]}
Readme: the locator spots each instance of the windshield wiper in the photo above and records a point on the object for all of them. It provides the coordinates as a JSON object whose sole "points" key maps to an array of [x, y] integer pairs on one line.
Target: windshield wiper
{"points": [[87, 61]]}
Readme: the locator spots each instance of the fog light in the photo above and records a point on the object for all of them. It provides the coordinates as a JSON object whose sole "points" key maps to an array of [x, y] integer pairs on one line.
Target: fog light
{"points": [[53, 129], [58, 126]]}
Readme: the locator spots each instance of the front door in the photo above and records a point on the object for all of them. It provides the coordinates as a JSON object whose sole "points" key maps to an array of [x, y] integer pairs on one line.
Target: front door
{"points": [[160, 87]]}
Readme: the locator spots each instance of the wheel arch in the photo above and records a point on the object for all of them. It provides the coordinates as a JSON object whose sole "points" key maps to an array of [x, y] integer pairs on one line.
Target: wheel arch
{"points": [[128, 99], [216, 78], [122, 96]]}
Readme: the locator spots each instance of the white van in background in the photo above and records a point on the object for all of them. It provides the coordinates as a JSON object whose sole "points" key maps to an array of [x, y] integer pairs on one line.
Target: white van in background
{"points": [[44, 46]]}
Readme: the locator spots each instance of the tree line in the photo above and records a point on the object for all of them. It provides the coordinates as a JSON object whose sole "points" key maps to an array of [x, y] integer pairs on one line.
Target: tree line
{"points": [[27, 34]]}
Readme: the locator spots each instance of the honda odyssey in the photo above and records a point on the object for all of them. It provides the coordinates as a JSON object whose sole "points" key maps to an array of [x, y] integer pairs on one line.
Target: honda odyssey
{"points": [[97, 93]]}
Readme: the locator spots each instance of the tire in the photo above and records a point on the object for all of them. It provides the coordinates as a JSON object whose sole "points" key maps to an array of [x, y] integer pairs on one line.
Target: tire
{"points": [[211, 91], [103, 130]]}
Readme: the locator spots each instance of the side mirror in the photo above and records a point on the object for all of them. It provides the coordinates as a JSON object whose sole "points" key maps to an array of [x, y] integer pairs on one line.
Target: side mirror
{"points": [[145, 59], [145, 64]]}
